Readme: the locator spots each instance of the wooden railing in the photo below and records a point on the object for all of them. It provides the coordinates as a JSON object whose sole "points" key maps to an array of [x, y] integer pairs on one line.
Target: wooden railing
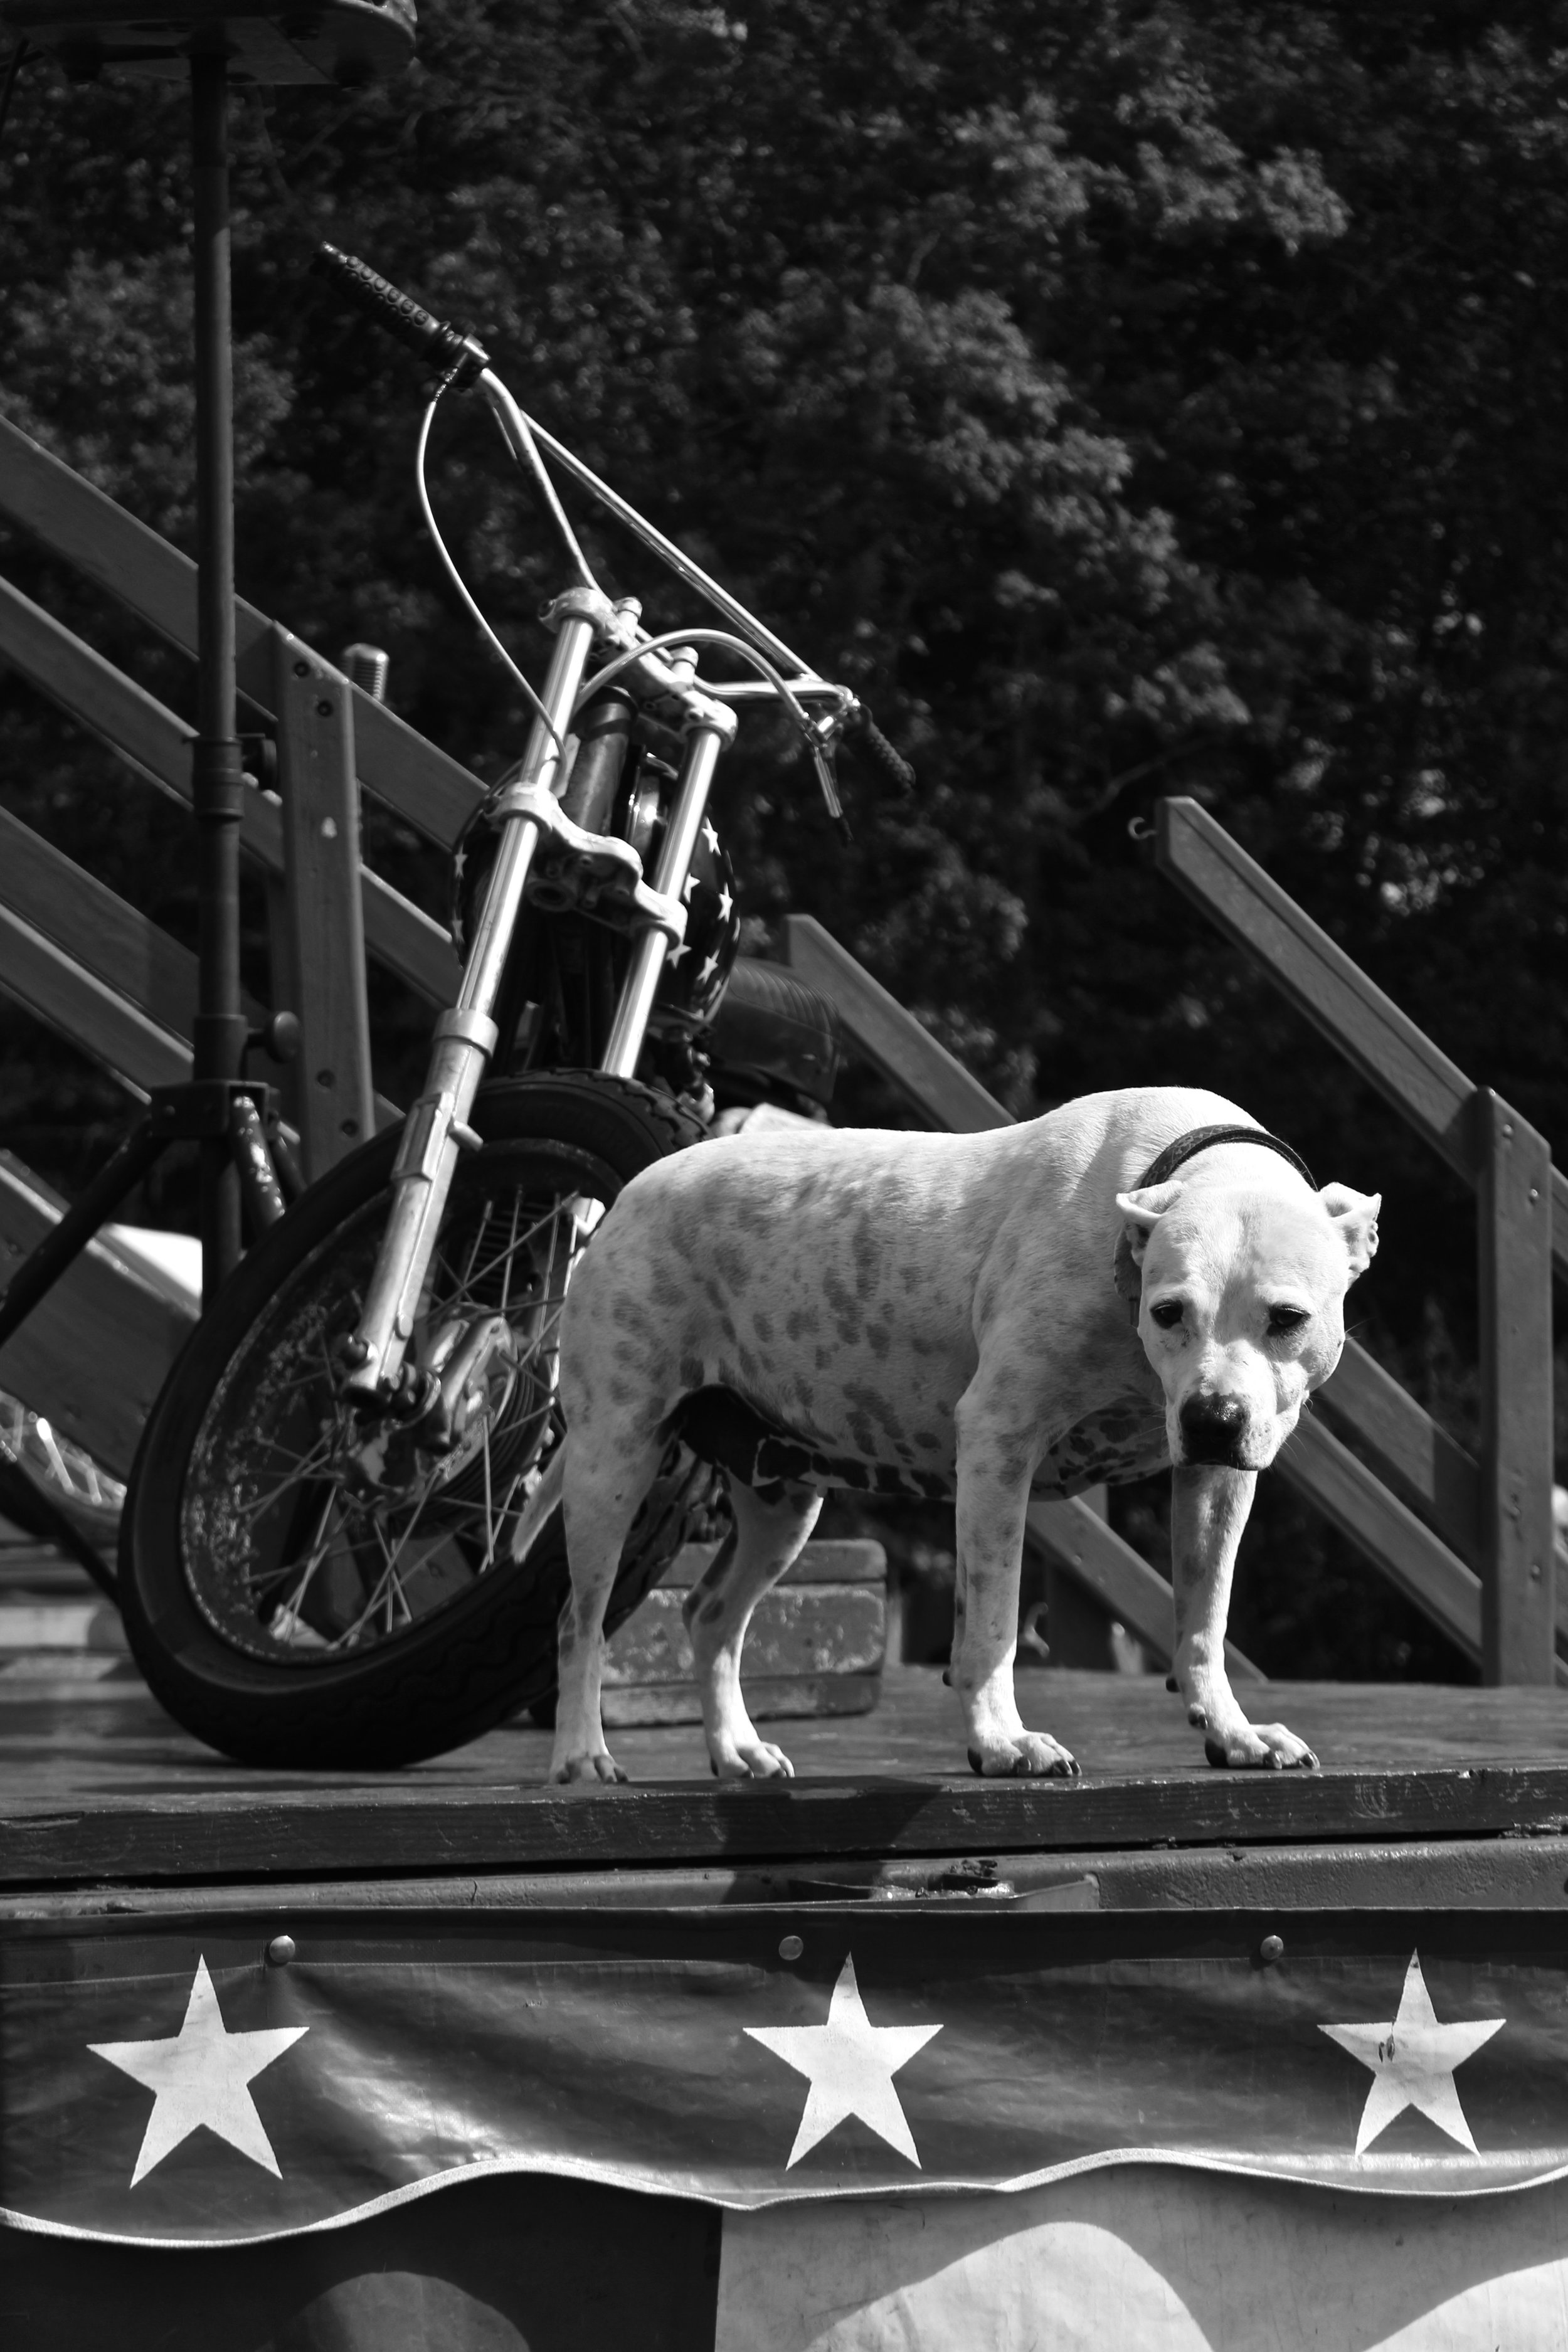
{"points": [[1475, 1548], [1470, 1543], [331, 738], [93, 969]]}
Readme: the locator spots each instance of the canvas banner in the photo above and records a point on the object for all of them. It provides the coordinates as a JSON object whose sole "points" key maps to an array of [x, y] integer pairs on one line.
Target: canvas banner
{"points": [[163, 2082]]}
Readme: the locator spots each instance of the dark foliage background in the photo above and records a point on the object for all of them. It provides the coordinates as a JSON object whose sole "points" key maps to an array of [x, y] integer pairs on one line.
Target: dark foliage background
{"points": [[1130, 398]]}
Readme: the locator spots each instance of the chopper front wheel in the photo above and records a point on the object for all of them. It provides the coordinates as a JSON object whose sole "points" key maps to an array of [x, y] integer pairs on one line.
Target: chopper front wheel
{"points": [[305, 1587]]}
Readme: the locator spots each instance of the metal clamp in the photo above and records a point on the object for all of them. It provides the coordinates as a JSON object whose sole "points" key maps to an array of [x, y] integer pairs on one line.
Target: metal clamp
{"points": [[425, 1135], [471, 1028], [590, 872]]}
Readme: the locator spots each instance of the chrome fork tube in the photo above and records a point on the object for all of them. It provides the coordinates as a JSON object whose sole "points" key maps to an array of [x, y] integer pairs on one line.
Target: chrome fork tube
{"points": [[703, 745], [438, 1123]]}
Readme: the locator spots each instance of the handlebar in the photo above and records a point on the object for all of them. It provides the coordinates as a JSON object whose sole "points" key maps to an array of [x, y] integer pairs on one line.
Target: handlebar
{"points": [[864, 736], [459, 357]]}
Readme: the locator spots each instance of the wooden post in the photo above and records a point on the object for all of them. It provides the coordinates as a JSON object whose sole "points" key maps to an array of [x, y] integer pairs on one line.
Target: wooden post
{"points": [[320, 852], [1513, 1167]]}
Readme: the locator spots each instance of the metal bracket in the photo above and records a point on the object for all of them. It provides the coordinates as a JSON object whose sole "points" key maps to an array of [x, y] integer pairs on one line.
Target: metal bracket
{"points": [[202, 1107], [590, 872]]}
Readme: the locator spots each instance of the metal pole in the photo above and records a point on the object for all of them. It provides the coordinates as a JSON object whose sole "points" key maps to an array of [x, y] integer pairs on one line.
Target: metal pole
{"points": [[217, 776]]}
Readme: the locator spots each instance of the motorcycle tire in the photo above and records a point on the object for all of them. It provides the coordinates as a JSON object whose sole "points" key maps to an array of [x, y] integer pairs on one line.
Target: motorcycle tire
{"points": [[297, 1596]]}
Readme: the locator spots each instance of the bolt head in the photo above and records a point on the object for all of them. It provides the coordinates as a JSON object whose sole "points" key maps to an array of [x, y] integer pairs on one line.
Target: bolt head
{"points": [[280, 1952], [790, 1947], [1272, 1949]]}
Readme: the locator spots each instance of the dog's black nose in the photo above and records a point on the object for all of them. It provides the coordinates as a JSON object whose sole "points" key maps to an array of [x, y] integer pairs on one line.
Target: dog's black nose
{"points": [[1212, 1428]]}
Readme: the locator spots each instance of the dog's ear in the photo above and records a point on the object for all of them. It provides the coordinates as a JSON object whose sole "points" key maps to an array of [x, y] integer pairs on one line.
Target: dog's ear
{"points": [[1141, 1212], [1355, 1215]]}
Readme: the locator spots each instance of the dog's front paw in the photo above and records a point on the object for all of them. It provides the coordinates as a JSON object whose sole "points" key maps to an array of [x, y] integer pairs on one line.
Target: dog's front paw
{"points": [[1024, 1756], [751, 1759], [1260, 1747], [592, 1768]]}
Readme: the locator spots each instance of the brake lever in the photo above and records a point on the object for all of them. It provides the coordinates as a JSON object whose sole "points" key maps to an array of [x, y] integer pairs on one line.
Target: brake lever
{"points": [[820, 740]]}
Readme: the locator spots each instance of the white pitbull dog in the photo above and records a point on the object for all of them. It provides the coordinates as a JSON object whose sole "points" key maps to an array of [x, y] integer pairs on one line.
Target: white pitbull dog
{"points": [[1137, 1279]]}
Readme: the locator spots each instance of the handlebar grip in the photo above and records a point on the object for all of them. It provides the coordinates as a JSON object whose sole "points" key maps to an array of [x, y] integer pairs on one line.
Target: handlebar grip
{"points": [[861, 731], [455, 355]]}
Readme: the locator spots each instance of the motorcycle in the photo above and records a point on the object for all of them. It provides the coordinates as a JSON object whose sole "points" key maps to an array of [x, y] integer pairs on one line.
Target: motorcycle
{"points": [[342, 1544]]}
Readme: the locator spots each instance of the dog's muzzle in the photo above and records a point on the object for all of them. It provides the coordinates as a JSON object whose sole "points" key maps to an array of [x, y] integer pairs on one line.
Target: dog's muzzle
{"points": [[1212, 1429]]}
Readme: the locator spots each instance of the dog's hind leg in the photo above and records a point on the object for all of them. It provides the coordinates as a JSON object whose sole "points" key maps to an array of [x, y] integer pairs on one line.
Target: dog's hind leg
{"points": [[764, 1541], [604, 1478]]}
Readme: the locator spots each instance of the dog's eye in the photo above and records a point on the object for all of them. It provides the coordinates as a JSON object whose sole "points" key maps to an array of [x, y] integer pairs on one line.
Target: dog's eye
{"points": [[1168, 1314], [1282, 1320]]}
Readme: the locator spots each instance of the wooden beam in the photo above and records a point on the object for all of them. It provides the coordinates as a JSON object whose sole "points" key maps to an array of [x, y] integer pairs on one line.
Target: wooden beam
{"points": [[94, 941], [1519, 1611], [1354, 1500], [1437, 1478], [94, 1354], [97, 929], [1320, 979], [321, 846], [1075, 1537], [133, 723], [403, 1827], [430, 791], [93, 1015], [890, 1038], [1368, 1028], [142, 732]]}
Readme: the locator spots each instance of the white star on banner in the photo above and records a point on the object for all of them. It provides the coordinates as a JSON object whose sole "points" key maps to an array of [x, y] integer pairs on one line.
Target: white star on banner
{"points": [[851, 2065], [710, 836], [1412, 2060], [201, 2075]]}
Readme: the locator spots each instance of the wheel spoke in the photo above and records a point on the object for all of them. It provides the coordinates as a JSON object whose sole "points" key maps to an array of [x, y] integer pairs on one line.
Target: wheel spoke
{"points": [[303, 1503], [389, 1577], [305, 1469]]}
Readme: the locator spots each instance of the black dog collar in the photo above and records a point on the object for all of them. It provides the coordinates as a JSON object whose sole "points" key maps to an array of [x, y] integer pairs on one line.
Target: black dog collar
{"points": [[1129, 1277], [1199, 1138]]}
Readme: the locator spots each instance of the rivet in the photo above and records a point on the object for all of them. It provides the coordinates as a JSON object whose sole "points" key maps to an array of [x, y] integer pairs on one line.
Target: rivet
{"points": [[1508, 1127], [323, 708], [302, 669], [790, 1947], [1535, 1191], [351, 1126], [329, 829], [326, 1077], [280, 1952], [1271, 1948], [1535, 1569]]}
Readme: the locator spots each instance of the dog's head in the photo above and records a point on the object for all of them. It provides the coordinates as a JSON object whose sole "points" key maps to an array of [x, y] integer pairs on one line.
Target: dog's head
{"points": [[1241, 1309]]}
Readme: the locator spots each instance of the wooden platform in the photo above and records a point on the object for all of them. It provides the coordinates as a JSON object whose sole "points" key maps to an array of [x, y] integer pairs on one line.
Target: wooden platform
{"points": [[101, 1790]]}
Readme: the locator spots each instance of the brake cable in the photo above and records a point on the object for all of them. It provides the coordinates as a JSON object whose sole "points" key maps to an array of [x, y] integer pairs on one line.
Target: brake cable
{"points": [[816, 743], [455, 577]]}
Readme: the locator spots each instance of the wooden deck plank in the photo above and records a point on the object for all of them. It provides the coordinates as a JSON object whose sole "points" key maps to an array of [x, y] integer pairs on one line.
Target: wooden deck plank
{"points": [[109, 1790]]}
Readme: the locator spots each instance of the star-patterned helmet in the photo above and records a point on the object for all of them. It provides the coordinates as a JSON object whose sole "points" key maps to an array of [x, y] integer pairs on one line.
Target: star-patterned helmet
{"points": [[695, 973]]}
